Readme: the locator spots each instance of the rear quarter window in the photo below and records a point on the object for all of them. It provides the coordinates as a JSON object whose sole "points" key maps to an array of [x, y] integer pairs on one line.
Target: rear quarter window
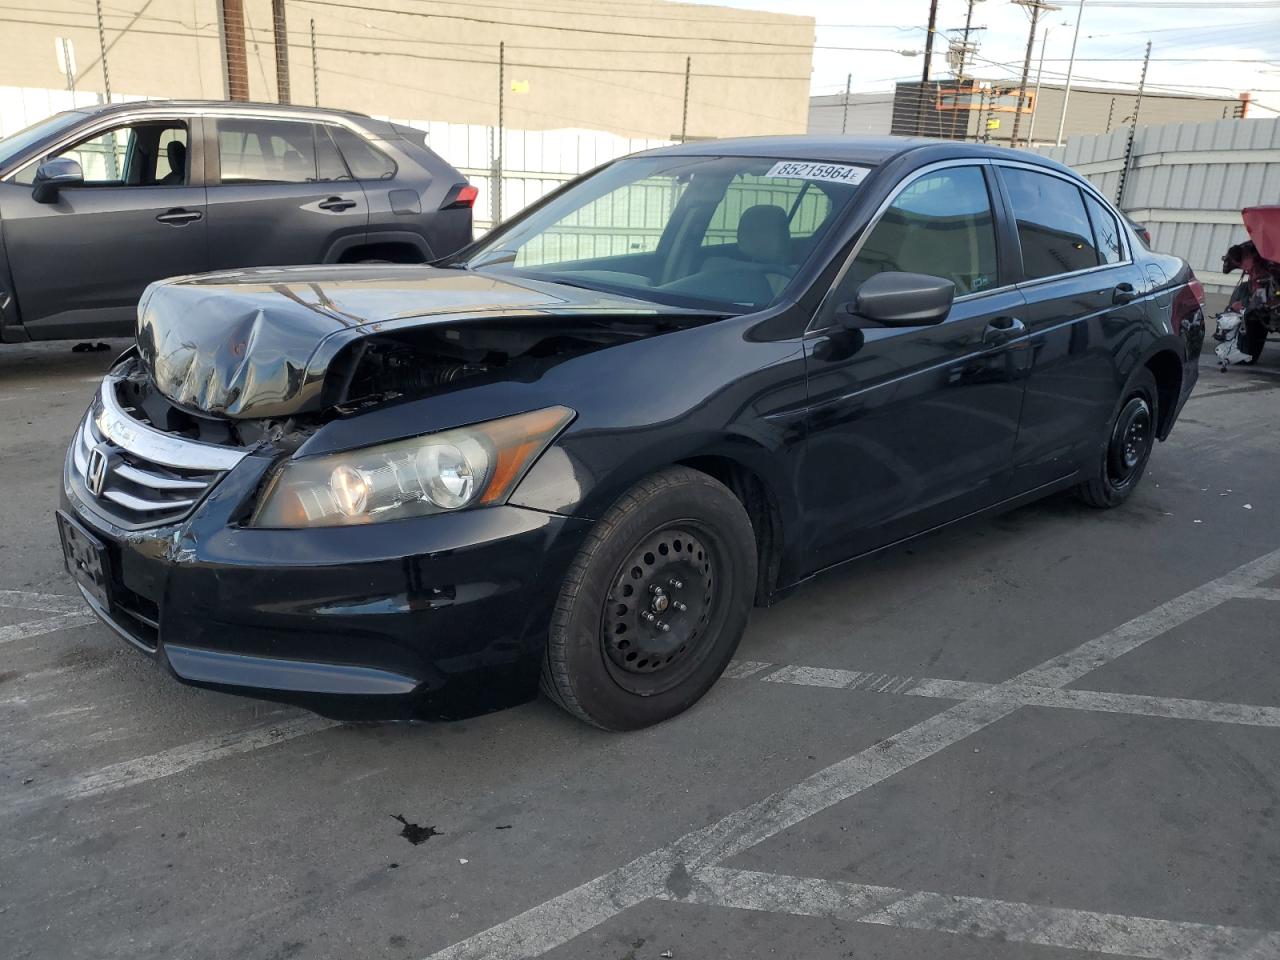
{"points": [[365, 161]]}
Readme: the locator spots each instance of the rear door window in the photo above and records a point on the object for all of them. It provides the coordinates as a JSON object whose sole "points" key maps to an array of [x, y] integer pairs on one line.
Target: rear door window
{"points": [[1053, 228], [266, 151]]}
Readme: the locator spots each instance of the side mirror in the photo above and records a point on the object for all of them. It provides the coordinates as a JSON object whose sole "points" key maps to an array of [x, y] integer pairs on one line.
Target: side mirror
{"points": [[894, 299], [52, 176]]}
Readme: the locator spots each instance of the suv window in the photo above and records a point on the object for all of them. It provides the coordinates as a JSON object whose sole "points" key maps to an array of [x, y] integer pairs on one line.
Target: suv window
{"points": [[145, 154], [940, 225], [1106, 231], [1053, 228], [366, 161], [266, 151]]}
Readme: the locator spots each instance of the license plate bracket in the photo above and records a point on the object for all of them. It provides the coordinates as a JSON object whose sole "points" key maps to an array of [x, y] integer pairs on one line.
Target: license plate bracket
{"points": [[86, 559]]}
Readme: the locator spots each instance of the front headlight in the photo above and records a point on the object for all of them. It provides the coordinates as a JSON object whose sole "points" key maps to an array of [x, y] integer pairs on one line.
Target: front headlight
{"points": [[470, 466]]}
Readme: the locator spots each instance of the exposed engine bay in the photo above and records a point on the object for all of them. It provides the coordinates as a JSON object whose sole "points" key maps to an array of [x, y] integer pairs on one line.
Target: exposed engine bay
{"points": [[381, 369], [300, 345]]}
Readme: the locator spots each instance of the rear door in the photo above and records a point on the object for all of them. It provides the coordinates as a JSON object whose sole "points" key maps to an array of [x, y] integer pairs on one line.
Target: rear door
{"points": [[911, 427], [279, 193], [1084, 317], [79, 264]]}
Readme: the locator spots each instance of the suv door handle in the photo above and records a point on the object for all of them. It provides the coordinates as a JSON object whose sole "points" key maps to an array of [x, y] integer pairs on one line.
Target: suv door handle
{"points": [[336, 203], [1124, 293], [1003, 329], [178, 216]]}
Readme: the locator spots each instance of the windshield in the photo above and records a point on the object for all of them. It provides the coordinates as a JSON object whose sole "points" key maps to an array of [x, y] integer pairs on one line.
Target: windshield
{"points": [[721, 233], [16, 145]]}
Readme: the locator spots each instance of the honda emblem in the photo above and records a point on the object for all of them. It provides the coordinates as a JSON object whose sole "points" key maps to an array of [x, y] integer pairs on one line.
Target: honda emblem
{"points": [[95, 474]]}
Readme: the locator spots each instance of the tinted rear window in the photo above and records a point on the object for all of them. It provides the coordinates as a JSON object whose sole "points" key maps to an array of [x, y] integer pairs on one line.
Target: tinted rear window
{"points": [[1053, 228]]}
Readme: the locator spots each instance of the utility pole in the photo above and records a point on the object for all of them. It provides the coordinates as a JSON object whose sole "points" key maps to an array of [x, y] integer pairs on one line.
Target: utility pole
{"points": [[102, 47], [1133, 129], [1071, 69], [964, 43], [280, 38], [315, 67], [844, 123], [235, 60], [928, 43], [684, 116], [1036, 7], [1035, 99], [928, 59], [497, 153]]}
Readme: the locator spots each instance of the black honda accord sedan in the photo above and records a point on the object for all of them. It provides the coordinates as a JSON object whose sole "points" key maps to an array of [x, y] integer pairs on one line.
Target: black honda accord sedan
{"points": [[575, 454]]}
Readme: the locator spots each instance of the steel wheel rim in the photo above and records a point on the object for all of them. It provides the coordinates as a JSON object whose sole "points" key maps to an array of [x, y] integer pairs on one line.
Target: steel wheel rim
{"points": [[1131, 442], [663, 605]]}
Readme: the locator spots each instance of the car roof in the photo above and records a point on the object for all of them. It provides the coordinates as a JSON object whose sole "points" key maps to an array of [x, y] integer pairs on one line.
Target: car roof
{"points": [[381, 127], [866, 151]]}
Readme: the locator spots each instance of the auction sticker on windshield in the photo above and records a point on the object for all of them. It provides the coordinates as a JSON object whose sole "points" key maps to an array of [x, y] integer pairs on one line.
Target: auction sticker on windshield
{"points": [[811, 170]]}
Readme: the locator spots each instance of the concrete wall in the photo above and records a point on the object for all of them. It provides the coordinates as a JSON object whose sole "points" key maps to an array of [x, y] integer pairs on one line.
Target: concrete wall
{"points": [[750, 69], [1187, 182]]}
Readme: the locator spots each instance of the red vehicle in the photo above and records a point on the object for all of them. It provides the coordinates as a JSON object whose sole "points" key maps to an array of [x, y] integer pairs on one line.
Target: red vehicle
{"points": [[1254, 311]]}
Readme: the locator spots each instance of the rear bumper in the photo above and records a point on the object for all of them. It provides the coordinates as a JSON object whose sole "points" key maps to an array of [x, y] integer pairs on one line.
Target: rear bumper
{"points": [[441, 616]]}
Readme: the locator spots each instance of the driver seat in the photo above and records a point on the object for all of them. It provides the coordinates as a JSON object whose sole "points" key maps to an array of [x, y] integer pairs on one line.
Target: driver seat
{"points": [[176, 151], [763, 240]]}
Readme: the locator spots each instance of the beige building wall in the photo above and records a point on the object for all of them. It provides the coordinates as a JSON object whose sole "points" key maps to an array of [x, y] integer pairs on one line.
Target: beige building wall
{"points": [[749, 70]]}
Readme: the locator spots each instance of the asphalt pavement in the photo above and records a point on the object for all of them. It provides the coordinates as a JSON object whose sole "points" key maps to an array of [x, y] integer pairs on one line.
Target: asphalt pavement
{"points": [[1048, 735]]}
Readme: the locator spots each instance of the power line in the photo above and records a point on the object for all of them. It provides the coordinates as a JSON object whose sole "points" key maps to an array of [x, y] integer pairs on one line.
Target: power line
{"points": [[547, 26]]}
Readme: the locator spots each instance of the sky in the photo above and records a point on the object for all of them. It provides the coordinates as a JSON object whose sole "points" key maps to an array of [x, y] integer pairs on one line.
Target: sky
{"points": [[1210, 47]]}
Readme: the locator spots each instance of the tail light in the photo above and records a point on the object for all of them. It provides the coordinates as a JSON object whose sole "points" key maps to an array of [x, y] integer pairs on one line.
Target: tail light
{"points": [[462, 196], [1197, 290]]}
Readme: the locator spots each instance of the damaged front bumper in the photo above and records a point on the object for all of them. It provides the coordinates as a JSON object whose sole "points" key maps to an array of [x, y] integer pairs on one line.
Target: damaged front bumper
{"points": [[437, 616]]}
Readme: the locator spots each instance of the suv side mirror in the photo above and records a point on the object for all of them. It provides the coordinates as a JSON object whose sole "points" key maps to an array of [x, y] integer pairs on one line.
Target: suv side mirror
{"points": [[52, 176], [893, 299]]}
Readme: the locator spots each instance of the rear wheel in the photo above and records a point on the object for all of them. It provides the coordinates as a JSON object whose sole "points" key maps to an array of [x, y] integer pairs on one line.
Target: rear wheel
{"points": [[654, 604], [1255, 337], [1131, 435]]}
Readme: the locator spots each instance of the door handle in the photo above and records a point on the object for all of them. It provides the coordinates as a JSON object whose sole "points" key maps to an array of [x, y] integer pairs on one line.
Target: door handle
{"points": [[1124, 293], [336, 203], [178, 216], [1002, 330]]}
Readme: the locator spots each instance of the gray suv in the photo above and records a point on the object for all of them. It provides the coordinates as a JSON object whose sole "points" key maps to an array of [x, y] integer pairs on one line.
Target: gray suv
{"points": [[97, 203]]}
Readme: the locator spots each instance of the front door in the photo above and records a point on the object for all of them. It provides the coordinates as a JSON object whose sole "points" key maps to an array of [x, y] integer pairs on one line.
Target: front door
{"points": [[282, 194], [911, 427], [79, 264]]}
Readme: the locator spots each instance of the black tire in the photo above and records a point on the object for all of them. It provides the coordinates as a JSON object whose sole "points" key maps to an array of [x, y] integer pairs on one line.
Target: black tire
{"points": [[1127, 446], [683, 542], [1255, 337]]}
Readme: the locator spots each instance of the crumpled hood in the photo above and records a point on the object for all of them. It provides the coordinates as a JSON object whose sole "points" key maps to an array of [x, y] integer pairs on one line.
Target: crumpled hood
{"points": [[257, 343]]}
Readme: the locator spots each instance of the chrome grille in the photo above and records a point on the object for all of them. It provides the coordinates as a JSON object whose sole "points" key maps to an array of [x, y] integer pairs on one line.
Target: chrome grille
{"points": [[139, 476]]}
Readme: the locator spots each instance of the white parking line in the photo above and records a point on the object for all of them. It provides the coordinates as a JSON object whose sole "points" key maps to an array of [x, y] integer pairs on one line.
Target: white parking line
{"points": [[34, 628], [1086, 930], [44, 602], [1257, 593], [1028, 695], [130, 773], [556, 921]]}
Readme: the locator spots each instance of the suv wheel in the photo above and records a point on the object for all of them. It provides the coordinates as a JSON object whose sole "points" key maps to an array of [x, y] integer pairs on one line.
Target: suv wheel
{"points": [[654, 604]]}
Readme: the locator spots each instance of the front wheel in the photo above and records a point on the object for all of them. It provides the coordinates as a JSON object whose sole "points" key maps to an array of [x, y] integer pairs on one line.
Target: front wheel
{"points": [[1131, 436], [654, 604]]}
